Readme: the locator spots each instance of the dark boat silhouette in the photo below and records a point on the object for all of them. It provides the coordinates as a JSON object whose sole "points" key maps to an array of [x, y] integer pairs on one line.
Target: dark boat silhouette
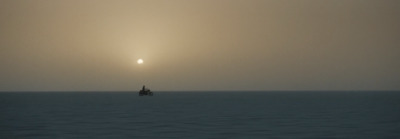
{"points": [[145, 92]]}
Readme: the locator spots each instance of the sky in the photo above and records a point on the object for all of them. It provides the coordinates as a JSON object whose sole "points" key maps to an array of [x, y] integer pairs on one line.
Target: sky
{"points": [[93, 45]]}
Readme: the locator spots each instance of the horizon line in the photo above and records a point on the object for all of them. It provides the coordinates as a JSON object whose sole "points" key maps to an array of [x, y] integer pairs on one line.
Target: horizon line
{"points": [[35, 91]]}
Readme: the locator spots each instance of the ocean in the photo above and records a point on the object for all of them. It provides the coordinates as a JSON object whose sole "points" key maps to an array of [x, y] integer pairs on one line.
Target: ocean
{"points": [[208, 114]]}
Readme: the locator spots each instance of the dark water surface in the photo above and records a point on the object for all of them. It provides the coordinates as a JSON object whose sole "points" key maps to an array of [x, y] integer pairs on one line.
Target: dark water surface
{"points": [[200, 115]]}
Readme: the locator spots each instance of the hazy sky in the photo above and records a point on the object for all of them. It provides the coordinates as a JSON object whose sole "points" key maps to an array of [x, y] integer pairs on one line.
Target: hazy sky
{"points": [[80, 45]]}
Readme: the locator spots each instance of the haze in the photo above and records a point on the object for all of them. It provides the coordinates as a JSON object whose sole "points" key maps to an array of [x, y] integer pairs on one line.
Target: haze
{"points": [[93, 45]]}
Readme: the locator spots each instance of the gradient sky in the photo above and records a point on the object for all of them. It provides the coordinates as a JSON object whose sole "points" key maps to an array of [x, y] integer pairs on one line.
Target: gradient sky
{"points": [[90, 45]]}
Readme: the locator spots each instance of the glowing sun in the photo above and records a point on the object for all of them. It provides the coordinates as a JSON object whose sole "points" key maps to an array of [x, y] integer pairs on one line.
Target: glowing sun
{"points": [[140, 61]]}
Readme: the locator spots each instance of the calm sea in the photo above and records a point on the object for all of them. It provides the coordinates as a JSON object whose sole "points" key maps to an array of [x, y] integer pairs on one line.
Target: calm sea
{"points": [[228, 115]]}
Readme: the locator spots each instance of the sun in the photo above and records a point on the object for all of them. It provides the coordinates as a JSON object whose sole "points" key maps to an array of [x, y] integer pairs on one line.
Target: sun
{"points": [[140, 61]]}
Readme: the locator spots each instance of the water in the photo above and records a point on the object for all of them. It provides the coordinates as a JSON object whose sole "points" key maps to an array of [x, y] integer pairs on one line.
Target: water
{"points": [[277, 115]]}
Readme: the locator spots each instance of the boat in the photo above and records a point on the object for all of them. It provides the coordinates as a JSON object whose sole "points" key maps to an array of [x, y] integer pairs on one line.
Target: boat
{"points": [[145, 92]]}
